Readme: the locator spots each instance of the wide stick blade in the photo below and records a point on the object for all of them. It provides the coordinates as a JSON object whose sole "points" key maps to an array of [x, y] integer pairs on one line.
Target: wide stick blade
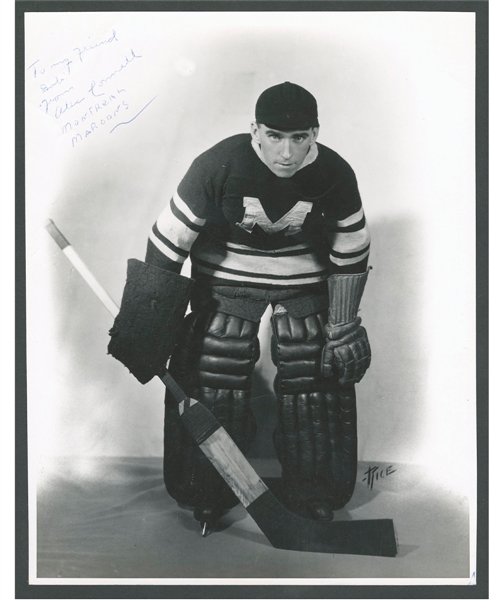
{"points": [[288, 531], [281, 527]]}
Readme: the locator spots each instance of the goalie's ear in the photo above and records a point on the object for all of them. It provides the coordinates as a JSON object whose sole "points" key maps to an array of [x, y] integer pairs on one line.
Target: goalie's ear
{"points": [[255, 131]]}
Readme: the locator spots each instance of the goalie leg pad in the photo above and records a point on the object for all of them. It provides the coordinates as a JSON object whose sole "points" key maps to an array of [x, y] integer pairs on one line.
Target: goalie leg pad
{"points": [[316, 438], [339, 471], [213, 363]]}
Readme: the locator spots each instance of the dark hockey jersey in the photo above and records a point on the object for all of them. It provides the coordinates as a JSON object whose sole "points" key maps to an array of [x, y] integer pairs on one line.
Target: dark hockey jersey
{"points": [[241, 224]]}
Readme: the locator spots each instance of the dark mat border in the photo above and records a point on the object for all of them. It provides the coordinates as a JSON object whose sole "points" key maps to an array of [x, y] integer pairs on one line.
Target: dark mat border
{"points": [[480, 590]]}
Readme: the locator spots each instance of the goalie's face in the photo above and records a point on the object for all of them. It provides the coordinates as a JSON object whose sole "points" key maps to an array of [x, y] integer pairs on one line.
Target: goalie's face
{"points": [[284, 151]]}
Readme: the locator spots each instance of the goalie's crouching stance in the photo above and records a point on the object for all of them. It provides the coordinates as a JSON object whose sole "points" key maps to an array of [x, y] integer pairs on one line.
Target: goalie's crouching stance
{"points": [[215, 355], [266, 218]]}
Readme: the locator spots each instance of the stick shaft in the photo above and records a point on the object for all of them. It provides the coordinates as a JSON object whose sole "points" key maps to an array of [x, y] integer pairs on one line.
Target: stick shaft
{"points": [[81, 267], [283, 529]]}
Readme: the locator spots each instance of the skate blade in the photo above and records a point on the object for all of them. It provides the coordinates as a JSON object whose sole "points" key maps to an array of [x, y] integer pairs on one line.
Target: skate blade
{"points": [[207, 528]]}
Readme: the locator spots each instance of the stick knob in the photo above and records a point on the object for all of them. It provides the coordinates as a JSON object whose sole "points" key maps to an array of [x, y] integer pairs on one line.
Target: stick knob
{"points": [[58, 237]]}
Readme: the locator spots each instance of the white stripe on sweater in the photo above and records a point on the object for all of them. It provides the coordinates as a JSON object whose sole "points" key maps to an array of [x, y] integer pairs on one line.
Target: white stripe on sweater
{"points": [[249, 279], [351, 241], [342, 262], [232, 245], [264, 265], [184, 208], [165, 249], [175, 230]]}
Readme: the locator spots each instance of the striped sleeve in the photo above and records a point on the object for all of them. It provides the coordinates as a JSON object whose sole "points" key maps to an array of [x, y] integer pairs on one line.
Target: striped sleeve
{"points": [[349, 244], [173, 234], [183, 218], [348, 233]]}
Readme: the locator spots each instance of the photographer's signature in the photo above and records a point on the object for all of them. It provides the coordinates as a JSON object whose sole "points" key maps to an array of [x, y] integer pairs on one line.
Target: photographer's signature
{"points": [[373, 474]]}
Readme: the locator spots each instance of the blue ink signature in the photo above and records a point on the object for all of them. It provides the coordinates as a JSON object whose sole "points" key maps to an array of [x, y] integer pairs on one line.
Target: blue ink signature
{"points": [[64, 61], [45, 103], [34, 70], [127, 62], [127, 122], [81, 51], [61, 110], [45, 88]]}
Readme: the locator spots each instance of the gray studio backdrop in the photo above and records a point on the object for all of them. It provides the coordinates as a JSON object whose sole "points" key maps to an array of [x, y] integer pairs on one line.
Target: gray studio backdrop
{"points": [[119, 104]]}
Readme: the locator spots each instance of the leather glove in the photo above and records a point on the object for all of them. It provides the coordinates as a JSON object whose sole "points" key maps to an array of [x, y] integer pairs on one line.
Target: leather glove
{"points": [[152, 310], [346, 352]]}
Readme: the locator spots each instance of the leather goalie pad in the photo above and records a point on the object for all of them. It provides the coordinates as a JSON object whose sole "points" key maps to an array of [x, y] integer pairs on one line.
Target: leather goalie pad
{"points": [[316, 436], [213, 363]]}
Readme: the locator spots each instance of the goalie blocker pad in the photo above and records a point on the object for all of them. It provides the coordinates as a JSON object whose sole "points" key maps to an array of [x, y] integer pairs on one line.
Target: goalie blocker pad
{"points": [[153, 306]]}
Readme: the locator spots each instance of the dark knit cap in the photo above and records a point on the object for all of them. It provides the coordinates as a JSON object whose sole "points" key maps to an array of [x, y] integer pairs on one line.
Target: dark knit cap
{"points": [[287, 106]]}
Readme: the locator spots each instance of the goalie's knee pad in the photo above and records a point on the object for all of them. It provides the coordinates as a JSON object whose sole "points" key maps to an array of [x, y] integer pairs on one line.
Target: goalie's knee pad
{"points": [[229, 351], [297, 344], [217, 359], [213, 362]]}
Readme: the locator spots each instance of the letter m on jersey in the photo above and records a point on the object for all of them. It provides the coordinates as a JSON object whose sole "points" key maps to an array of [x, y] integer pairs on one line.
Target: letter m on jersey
{"points": [[255, 215]]}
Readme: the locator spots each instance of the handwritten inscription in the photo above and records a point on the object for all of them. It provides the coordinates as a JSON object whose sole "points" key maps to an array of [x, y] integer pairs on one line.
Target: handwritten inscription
{"points": [[81, 51], [373, 474], [89, 88]]}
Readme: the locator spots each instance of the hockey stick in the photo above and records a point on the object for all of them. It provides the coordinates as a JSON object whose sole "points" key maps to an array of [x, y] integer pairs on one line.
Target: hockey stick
{"points": [[282, 528]]}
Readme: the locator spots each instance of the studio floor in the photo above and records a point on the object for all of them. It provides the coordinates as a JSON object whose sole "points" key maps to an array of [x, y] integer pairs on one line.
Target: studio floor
{"points": [[112, 518]]}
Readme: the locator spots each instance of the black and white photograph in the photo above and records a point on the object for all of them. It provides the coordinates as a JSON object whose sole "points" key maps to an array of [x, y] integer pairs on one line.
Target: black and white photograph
{"points": [[251, 262]]}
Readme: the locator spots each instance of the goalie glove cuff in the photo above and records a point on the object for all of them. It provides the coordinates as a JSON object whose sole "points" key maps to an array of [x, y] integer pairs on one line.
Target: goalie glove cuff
{"points": [[345, 292]]}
